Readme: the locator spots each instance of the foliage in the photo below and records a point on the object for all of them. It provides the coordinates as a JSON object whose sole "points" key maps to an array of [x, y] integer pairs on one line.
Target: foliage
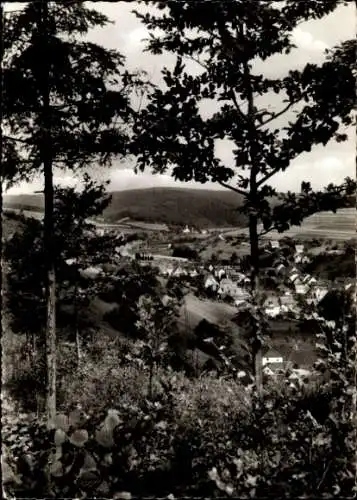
{"points": [[89, 89], [185, 252], [332, 266], [216, 46], [77, 246]]}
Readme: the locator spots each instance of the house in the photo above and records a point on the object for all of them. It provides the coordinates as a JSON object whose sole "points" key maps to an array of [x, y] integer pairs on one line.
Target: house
{"points": [[204, 231], [268, 371], [287, 299], [220, 273], [320, 293], [228, 286], [179, 271], [280, 268], [300, 288], [186, 230], [70, 262], [299, 248], [275, 244], [273, 311], [294, 277], [240, 302], [193, 273], [273, 359], [210, 282]]}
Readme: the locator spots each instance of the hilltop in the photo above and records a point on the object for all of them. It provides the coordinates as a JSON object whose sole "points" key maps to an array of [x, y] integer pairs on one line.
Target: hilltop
{"points": [[203, 208], [176, 206]]}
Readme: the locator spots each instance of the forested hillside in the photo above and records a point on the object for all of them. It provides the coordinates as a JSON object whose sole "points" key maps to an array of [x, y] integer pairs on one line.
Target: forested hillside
{"points": [[202, 208]]}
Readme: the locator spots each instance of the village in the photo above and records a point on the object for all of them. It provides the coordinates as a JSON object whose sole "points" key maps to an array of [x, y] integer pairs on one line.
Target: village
{"points": [[216, 282]]}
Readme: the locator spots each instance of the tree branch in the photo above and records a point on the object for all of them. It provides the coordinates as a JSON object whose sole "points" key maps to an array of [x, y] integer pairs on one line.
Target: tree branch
{"points": [[197, 61], [232, 188], [267, 231], [240, 112], [15, 139], [276, 115], [267, 176]]}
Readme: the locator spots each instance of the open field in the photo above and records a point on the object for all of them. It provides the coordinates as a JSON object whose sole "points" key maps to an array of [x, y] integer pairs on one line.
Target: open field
{"points": [[196, 309], [325, 225]]}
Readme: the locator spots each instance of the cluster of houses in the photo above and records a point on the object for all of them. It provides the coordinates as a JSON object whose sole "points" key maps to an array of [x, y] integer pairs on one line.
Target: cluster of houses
{"points": [[187, 230]]}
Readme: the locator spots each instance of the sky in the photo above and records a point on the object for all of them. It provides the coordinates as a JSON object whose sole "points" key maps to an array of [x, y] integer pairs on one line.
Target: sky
{"points": [[321, 166]]}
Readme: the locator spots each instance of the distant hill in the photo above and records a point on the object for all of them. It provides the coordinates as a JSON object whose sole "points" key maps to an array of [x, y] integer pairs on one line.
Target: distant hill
{"points": [[176, 206], [204, 208]]}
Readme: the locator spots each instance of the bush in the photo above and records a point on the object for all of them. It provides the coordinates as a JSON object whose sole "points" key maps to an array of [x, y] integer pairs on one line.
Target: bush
{"points": [[185, 252], [206, 437]]}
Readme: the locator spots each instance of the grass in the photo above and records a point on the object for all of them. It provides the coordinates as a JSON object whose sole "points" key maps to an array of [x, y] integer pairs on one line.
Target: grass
{"points": [[199, 309]]}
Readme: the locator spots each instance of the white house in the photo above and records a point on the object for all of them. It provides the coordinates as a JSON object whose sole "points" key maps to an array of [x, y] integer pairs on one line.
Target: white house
{"points": [[312, 281], [300, 288], [273, 311], [294, 277], [299, 248], [186, 230], [210, 282], [169, 270], [275, 244], [220, 273], [179, 271], [320, 293], [268, 371], [274, 359]]}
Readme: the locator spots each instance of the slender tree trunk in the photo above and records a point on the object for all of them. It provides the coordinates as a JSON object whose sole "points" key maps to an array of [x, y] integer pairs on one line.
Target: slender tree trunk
{"points": [[253, 228], [48, 225], [1, 177], [76, 327]]}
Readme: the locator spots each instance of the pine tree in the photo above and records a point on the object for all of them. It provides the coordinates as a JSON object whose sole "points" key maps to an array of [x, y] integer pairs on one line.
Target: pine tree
{"points": [[223, 40]]}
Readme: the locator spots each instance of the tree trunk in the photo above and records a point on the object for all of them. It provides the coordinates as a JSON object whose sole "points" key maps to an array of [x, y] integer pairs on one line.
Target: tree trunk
{"points": [[76, 327], [1, 180], [46, 154], [253, 227]]}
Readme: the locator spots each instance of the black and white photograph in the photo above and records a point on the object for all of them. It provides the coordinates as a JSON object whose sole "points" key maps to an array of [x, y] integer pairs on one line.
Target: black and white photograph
{"points": [[178, 249]]}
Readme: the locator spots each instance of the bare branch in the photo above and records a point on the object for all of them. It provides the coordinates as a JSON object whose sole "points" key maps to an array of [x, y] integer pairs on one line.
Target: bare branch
{"points": [[276, 115], [232, 188], [197, 61], [267, 176], [15, 139]]}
